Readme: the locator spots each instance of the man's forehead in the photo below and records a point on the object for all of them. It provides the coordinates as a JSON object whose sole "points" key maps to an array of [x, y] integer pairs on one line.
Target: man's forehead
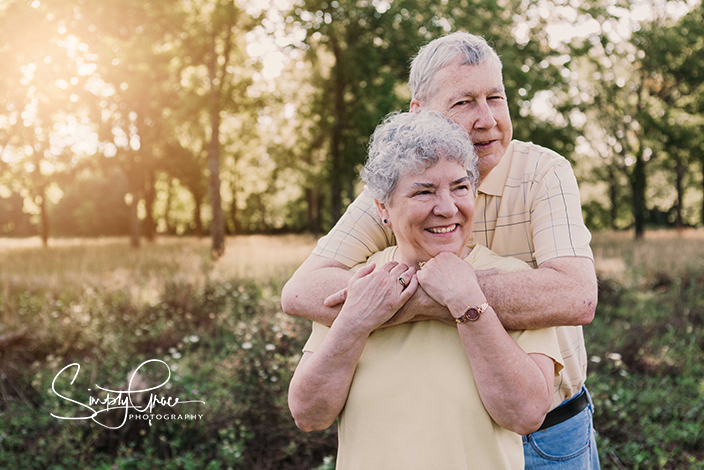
{"points": [[468, 81]]}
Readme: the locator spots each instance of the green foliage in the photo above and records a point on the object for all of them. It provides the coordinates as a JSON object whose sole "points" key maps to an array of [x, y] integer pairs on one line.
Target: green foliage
{"points": [[226, 343], [646, 369]]}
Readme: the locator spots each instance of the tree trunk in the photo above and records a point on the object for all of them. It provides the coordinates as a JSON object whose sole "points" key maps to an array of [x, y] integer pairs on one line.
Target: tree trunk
{"points": [[41, 199], [44, 217], [313, 201], [134, 220], [638, 185], [613, 196], [679, 184], [234, 215], [149, 196], [167, 211], [336, 151], [217, 226], [198, 201]]}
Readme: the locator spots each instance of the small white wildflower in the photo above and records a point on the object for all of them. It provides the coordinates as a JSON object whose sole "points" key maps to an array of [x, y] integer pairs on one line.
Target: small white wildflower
{"points": [[247, 345], [194, 339], [595, 359], [614, 356], [269, 347]]}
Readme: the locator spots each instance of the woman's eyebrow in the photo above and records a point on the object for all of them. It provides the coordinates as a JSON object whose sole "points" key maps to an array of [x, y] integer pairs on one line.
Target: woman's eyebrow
{"points": [[461, 180], [423, 185]]}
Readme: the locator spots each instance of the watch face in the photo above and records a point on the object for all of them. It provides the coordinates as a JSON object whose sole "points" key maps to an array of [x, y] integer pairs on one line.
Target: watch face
{"points": [[472, 314]]}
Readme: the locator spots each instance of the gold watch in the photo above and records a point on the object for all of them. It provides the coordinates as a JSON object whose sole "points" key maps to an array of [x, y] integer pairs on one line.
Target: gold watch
{"points": [[472, 313]]}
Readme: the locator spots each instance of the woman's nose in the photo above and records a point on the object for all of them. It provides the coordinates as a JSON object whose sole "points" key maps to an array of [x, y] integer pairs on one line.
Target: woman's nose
{"points": [[445, 205]]}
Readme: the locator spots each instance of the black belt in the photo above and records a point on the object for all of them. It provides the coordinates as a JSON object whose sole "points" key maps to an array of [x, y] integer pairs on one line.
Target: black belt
{"points": [[564, 412]]}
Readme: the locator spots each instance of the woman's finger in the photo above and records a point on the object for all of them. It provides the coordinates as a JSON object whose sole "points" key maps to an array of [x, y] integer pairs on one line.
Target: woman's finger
{"points": [[403, 274], [364, 271], [409, 290]]}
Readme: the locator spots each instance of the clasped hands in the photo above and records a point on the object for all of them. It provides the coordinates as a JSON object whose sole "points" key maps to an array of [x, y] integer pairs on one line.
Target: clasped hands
{"points": [[377, 298]]}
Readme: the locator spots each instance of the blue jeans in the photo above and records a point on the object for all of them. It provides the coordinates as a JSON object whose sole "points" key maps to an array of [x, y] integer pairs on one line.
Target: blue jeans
{"points": [[569, 445]]}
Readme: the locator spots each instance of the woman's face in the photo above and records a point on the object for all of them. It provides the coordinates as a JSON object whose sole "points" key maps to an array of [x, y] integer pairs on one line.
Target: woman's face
{"points": [[431, 212]]}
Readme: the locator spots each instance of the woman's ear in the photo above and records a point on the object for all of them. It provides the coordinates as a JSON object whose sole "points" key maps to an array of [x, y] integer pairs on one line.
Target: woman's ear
{"points": [[383, 212]]}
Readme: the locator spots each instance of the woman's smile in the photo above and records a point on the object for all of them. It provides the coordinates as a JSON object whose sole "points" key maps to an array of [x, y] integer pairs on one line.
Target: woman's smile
{"points": [[443, 230]]}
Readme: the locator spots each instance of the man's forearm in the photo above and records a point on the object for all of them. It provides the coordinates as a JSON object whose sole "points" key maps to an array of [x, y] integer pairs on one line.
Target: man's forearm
{"points": [[317, 278], [561, 292]]}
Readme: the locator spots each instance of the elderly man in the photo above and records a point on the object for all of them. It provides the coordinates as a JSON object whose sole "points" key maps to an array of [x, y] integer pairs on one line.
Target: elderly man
{"points": [[527, 207]]}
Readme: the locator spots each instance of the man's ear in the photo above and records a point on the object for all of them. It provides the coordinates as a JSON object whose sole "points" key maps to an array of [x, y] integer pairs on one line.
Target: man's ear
{"points": [[415, 106], [383, 212]]}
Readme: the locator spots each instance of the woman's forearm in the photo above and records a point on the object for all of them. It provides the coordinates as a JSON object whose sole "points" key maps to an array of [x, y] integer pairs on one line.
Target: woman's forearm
{"points": [[512, 384], [320, 385]]}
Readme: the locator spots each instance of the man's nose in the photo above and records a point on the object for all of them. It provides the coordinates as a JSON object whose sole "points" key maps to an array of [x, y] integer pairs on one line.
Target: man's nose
{"points": [[485, 116]]}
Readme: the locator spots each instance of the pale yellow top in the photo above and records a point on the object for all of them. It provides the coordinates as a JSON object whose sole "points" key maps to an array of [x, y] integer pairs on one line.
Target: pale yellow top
{"points": [[413, 403], [527, 207]]}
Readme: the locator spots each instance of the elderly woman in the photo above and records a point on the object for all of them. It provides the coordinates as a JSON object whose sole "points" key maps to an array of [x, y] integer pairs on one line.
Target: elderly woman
{"points": [[426, 394]]}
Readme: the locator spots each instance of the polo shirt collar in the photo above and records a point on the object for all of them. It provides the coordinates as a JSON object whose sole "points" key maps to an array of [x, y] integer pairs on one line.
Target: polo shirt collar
{"points": [[495, 181]]}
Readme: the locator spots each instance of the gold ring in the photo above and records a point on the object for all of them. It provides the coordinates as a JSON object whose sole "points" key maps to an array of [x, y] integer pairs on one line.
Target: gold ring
{"points": [[421, 264], [401, 281]]}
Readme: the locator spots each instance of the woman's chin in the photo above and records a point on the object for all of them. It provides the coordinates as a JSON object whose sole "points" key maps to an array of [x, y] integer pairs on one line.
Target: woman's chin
{"points": [[455, 250]]}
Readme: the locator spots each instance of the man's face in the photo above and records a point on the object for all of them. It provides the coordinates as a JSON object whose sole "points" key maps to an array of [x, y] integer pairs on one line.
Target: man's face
{"points": [[474, 97]]}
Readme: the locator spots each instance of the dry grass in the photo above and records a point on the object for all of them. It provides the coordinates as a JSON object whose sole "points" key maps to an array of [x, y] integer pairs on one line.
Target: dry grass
{"points": [[111, 264], [670, 252]]}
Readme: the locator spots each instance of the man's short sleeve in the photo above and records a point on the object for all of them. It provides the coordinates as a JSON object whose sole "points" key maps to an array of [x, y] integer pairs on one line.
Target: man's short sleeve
{"points": [[556, 215], [357, 235]]}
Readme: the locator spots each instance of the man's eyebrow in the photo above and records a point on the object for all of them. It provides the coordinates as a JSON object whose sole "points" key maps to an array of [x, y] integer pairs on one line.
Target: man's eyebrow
{"points": [[469, 94]]}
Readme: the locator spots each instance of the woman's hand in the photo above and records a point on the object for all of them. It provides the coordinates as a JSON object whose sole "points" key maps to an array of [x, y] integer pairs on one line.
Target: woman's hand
{"points": [[374, 295], [450, 280]]}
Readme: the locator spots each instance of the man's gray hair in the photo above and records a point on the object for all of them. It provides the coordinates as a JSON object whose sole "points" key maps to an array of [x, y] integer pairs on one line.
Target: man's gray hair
{"points": [[414, 141], [441, 52]]}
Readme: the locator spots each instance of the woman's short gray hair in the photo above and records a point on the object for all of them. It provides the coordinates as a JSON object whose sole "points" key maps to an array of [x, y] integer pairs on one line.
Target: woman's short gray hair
{"points": [[441, 52], [414, 141]]}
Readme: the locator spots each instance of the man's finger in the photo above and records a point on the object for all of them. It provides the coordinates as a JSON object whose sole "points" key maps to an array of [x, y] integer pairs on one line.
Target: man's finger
{"points": [[336, 299]]}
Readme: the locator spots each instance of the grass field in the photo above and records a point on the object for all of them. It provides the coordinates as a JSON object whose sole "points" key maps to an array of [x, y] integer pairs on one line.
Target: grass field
{"points": [[219, 327]]}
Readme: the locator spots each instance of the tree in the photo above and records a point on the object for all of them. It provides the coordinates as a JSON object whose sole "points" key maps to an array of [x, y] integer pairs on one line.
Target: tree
{"points": [[39, 86], [359, 53], [134, 85], [212, 58]]}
